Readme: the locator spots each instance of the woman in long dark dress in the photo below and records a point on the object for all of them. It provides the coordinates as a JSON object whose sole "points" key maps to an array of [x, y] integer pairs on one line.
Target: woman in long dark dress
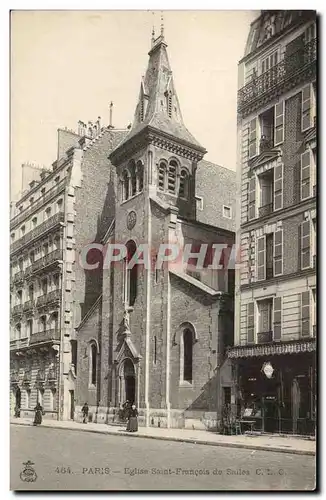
{"points": [[38, 414], [133, 420]]}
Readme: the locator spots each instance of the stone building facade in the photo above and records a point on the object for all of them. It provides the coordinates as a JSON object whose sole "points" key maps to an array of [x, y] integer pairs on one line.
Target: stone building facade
{"points": [[47, 290], [158, 337], [276, 301]]}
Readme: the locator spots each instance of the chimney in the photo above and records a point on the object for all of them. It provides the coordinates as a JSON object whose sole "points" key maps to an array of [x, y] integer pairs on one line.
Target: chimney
{"points": [[111, 112]]}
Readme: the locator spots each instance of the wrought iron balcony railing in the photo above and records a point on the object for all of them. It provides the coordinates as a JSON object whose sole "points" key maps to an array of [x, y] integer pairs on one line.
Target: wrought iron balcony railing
{"points": [[29, 305], [19, 343], [17, 309], [47, 260], [37, 204], [265, 210], [264, 337], [46, 336], [284, 71], [19, 276], [35, 233], [48, 298]]}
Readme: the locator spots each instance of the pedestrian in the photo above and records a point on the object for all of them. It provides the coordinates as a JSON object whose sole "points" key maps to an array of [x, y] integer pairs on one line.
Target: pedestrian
{"points": [[132, 425], [85, 410], [38, 414]]}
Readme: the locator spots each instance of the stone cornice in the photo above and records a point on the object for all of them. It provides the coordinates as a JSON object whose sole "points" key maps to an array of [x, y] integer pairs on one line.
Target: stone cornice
{"points": [[277, 279], [158, 138], [275, 348]]}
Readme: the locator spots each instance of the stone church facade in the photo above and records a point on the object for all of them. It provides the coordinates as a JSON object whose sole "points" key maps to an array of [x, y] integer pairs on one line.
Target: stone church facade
{"points": [[158, 337]]}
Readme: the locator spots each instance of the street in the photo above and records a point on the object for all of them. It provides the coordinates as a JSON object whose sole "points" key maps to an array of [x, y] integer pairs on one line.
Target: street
{"points": [[74, 460]]}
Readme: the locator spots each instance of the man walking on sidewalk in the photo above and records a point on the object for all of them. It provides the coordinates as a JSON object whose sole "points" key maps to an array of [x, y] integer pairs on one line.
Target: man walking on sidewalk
{"points": [[85, 413]]}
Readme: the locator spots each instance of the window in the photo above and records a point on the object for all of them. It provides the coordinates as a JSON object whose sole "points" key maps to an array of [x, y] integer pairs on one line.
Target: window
{"points": [[265, 315], [305, 314], [30, 327], [59, 205], [57, 179], [133, 178], [34, 221], [19, 296], [43, 191], [31, 292], [27, 398], [93, 363], [266, 121], [199, 203], [184, 184], [140, 176], [278, 187], [48, 212], [250, 322], [308, 175], [31, 200], [44, 286], [270, 255], [266, 187], [187, 355], [73, 344], [45, 249], [18, 330], [40, 396], [310, 33], [172, 174], [12, 236], [31, 257], [227, 212], [42, 323], [314, 311], [21, 264], [54, 321], [253, 138], [313, 242], [125, 186], [305, 245], [55, 279], [161, 176], [131, 275], [22, 230]]}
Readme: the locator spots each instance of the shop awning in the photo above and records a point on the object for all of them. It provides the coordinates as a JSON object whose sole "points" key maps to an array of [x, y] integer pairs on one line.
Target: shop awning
{"points": [[290, 347]]}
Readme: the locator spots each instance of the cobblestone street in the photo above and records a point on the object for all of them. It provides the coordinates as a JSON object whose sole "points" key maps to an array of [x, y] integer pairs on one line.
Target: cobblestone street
{"points": [[85, 461]]}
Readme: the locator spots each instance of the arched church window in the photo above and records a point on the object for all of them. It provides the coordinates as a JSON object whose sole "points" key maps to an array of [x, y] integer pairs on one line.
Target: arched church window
{"points": [[187, 355], [172, 175], [184, 184], [125, 186], [93, 363], [131, 275], [161, 176], [140, 175], [133, 179]]}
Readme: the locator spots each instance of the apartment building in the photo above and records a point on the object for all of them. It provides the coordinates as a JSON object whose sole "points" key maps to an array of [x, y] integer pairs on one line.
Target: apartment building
{"points": [[47, 287], [275, 305]]}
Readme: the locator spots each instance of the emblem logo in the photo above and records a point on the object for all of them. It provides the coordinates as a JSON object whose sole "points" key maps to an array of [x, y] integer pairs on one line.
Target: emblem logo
{"points": [[268, 369], [28, 474], [131, 219]]}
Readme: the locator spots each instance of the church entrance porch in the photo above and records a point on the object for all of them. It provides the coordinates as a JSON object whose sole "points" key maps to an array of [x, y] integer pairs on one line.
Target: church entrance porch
{"points": [[127, 381]]}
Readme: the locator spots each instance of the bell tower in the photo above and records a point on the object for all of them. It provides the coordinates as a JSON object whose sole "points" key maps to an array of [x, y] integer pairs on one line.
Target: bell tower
{"points": [[156, 177]]}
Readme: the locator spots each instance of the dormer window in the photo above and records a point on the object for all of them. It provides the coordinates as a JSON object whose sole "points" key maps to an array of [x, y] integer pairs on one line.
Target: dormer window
{"points": [[184, 184], [172, 174]]}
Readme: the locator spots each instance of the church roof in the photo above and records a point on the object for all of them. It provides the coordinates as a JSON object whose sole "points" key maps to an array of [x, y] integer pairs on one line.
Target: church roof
{"points": [[158, 105]]}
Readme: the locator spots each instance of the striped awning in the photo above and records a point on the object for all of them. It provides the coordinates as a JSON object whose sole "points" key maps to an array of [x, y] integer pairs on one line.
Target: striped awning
{"points": [[274, 348]]}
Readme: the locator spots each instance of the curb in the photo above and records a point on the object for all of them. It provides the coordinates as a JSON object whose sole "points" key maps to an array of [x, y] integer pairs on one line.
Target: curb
{"points": [[179, 440]]}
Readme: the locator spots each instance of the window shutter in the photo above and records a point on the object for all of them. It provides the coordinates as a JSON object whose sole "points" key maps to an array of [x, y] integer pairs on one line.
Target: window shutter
{"points": [[278, 187], [261, 258], [305, 175], [305, 314], [305, 245], [250, 322], [253, 139], [306, 108], [278, 253], [277, 329], [252, 198], [279, 123]]}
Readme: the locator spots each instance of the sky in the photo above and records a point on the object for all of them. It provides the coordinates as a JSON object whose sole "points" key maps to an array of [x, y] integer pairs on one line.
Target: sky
{"points": [[68, 65]]}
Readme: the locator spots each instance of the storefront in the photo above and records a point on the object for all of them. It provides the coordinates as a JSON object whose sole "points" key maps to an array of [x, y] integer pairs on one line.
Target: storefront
{"points": [[275, 386]]}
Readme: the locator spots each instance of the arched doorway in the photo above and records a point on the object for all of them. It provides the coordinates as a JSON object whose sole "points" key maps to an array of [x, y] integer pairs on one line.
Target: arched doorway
{"points": [[127, 381], [18, 398]]}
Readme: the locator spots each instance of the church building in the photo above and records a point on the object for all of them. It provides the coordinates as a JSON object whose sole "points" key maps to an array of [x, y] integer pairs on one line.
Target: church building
{"points": [[158, 337]]}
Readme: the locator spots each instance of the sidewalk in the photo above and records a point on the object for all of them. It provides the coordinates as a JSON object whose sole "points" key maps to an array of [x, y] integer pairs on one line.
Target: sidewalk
{"points": [[276, 443]]}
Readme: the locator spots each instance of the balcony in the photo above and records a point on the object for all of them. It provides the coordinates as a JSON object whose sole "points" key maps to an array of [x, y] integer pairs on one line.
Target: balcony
{"points": [[15, 221], [38, 231], [18, 277], [28, 306], [17, 309], [264, 337], [265, 210], [47, 260], [19, 343], [48, 298], [286, 74], [265, 144], [46, 336]]}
